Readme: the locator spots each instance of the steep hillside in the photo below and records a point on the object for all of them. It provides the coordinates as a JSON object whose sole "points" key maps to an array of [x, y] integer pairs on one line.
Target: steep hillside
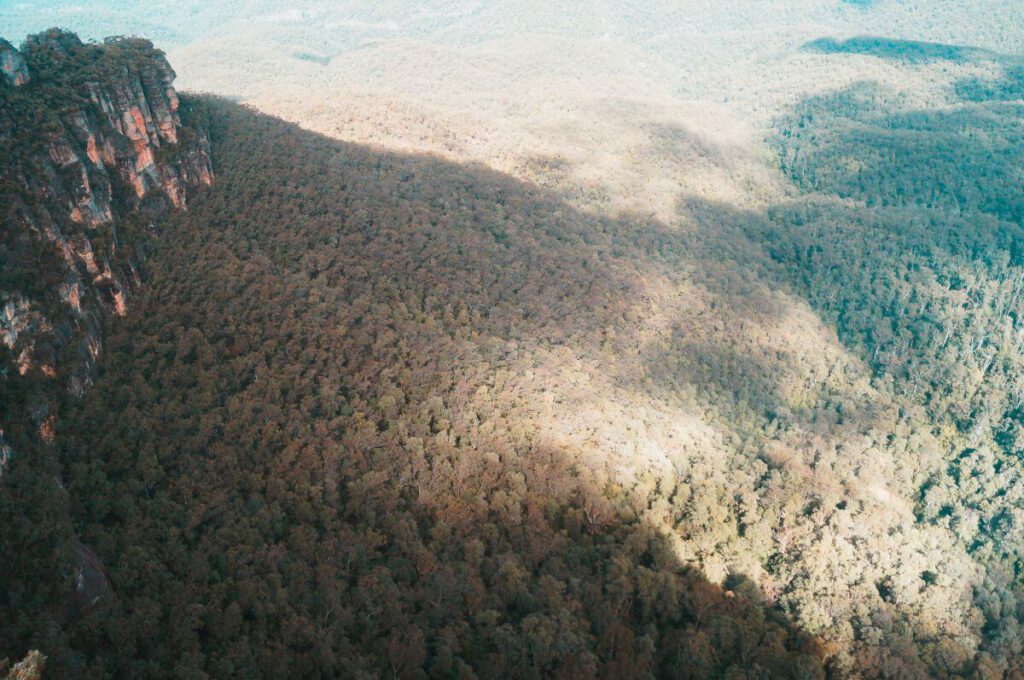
{"points": [[387, 414], [93, 154]]}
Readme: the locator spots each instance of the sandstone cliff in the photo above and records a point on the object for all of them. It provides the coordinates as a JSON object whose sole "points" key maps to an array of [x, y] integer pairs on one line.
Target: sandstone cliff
{"points": [[95, 146]]}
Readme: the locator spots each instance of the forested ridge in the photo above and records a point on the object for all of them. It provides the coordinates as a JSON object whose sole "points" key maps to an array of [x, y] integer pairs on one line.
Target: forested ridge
{"points": [[386, 415]]}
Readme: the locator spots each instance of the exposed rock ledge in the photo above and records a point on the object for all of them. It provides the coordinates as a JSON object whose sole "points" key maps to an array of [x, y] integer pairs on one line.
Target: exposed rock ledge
{"points": [[92, 151]]}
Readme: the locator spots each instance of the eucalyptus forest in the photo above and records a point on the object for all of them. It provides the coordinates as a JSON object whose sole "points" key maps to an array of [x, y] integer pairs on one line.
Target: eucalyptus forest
{"points": [[471, 354]]}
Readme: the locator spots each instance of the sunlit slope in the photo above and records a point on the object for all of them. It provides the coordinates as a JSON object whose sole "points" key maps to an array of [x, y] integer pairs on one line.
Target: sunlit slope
{"points": [[515, 85], [557, 93]]}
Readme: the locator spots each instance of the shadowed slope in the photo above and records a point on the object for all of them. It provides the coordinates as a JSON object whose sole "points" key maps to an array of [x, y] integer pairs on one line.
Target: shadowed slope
{"points": [[386, 413], [358, 428], [913, 51]]}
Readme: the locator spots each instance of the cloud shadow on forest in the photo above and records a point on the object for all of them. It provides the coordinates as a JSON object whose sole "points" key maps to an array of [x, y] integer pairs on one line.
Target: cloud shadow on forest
{"points": [[857, 143], [912, 51]]}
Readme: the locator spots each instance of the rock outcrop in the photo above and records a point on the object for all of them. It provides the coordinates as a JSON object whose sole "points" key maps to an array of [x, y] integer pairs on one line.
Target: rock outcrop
{"points": [[93, 151], [12, 64], [29, 668], [95, 148]]}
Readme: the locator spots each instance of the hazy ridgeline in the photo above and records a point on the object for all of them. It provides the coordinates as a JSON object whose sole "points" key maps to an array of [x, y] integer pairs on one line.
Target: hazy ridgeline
{"points": [[518, 359]]}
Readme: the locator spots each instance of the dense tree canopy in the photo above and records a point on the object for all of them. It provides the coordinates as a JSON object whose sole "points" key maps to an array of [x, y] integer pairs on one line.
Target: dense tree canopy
{"points": [[385, 415]]}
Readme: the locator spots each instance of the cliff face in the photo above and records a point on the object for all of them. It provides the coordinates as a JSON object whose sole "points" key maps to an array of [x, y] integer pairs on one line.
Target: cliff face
{"points": [[93, 150], [12, 64]]}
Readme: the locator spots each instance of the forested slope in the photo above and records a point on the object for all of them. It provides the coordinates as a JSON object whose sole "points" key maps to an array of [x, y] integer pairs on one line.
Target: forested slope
{"points": [[93, 152], [912, 242], [329, 442], [384, 414]]}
